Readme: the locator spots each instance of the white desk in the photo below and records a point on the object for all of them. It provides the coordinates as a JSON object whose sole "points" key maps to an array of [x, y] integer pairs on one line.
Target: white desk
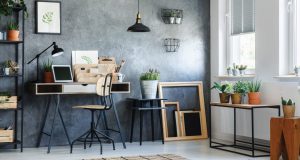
{"points": [[58, 89]]}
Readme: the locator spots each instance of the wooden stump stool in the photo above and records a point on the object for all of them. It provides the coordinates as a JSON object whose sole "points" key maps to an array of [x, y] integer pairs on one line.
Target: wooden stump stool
{"points": [[285, 138]]}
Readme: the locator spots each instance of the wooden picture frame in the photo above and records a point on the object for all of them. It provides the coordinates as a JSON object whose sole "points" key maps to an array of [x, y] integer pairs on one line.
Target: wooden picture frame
{"points": [[178, 121], [48, 17], [199, 85]]}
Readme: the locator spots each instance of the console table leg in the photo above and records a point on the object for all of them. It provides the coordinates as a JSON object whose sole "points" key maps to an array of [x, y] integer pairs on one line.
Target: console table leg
{"points": [[277, 142], [234, 126], [252, 126]]}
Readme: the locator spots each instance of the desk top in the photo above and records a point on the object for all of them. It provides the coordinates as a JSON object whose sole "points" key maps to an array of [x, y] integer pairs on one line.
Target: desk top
{"points": [[244, 106]]}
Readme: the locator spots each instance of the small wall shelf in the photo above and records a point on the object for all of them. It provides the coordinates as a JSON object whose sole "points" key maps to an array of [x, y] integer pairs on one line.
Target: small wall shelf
{"points": [[172, 16]]}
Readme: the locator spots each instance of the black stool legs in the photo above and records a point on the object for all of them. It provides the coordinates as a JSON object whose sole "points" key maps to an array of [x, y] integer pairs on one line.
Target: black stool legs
{"points": [[141, 111], [91, 134]]}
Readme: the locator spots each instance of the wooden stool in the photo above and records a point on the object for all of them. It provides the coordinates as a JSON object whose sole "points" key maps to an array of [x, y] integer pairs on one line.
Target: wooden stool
{"points": [[285, 138]]}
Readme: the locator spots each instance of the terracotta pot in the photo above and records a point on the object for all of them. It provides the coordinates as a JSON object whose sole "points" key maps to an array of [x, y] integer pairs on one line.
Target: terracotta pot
{"points": [[288, 111], [48, 77], [254, 98], [13, 35], [224, 97], [236, 98]]}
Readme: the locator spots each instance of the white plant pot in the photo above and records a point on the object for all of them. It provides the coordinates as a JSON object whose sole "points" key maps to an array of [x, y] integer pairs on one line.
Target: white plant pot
{"points": [[172, 20], [149, 89], [229, 72], [178, 20], [297, 71], [6, 71], [235, 72], [242, 72]]}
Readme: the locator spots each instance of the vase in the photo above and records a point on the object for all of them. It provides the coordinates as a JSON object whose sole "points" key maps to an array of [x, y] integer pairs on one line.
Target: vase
{"points": [[224, 97], [288, 111], [13, 35], [236, 98], [48, 77], [149, 89], [178, 20], [254, 98], [235, 72], [172, 20]]}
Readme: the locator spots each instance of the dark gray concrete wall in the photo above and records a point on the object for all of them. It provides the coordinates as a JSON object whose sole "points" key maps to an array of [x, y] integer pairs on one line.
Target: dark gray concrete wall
{"points": [[101, 25]]}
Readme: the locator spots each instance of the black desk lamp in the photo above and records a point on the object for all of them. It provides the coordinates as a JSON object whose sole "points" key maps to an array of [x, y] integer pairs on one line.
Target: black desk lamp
{"points": [[56, 52]]}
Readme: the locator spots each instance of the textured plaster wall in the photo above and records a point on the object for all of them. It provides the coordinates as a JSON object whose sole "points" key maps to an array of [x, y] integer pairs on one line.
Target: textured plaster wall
{"points": [[101, 25]]}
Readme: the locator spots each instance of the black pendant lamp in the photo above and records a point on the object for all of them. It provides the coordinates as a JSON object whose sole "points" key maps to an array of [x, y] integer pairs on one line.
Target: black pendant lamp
{"points": [[138, 26]]}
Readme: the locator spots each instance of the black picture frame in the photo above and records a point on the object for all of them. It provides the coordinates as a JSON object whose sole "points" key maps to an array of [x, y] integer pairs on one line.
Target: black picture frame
{"points": [[37, 30]]}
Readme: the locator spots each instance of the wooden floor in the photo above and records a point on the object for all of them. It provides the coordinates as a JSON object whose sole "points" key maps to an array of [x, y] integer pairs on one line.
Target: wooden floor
{"points": [[194, 150]]}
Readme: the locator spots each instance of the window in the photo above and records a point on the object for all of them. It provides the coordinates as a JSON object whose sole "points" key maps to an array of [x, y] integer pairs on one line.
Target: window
{"points": [[294, 33], [241, 33]]}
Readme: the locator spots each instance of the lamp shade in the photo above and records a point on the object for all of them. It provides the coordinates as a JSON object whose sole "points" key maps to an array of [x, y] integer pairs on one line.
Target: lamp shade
{"points": [[57, 51]]}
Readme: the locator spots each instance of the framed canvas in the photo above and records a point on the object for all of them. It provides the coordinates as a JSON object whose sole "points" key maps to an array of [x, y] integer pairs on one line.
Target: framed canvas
{"points": [[48, 17]]}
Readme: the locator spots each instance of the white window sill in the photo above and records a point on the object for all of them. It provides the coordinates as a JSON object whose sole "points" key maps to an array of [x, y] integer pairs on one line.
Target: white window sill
{"points": [[288, 77], [247, 76]]}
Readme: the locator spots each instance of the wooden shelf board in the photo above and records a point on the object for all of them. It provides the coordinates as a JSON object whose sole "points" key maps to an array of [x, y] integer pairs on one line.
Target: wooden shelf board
{"points": [[10, 42]]}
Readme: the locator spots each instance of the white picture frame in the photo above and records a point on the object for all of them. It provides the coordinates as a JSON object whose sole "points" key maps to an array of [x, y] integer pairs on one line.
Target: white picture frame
{"points": [[48, 17], [85, 57]]}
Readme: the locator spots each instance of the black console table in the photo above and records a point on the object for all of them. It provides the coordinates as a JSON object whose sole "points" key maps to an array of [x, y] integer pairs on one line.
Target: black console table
{"points": [[237, 143]]}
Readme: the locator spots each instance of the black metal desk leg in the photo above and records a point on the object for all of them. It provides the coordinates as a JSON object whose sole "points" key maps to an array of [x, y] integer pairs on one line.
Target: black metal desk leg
{"points": [[64, 126], [252, 123], [152, 121], [234, 126], [141, 126], [118, 124], [279, 111], [44, 121], [132, 124], [53, 121]]}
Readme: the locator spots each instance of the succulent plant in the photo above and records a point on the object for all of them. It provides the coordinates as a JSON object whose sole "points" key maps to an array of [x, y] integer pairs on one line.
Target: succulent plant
{"points": [[152, 74], [287, 101], [254, 86], [222, 88]]}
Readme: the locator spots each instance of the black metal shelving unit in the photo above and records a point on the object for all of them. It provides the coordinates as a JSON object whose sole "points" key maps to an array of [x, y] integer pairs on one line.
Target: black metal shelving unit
{"points": [[18, 80]]}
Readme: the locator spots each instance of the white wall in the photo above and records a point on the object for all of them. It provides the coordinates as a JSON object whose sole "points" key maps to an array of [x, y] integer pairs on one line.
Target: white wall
{"points": [[271, 60]]}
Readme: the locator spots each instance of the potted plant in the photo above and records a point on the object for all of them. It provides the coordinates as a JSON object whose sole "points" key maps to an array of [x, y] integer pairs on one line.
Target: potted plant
{"points": [[242, 69], [224, 91], [240, 89], [288, 107], [235, 71], [6, 68], [178, 18], [13, 31], [172, 17], [297, 70], [48, 76], [149, 81], [254, 94]]}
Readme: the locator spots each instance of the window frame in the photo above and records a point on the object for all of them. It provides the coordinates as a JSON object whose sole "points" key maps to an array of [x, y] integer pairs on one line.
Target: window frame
{"points": [[229, 37], [292, 34]]}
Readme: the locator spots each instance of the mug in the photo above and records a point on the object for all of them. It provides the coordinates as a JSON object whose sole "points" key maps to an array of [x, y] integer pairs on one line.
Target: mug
{"points": [[118, 77]]}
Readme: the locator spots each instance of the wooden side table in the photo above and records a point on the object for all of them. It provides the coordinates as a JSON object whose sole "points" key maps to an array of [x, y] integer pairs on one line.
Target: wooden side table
{"points": [[285, 138]]}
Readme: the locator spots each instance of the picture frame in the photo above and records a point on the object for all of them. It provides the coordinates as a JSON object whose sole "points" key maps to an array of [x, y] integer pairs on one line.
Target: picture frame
{"points": [[201, 108], [48, 17]]}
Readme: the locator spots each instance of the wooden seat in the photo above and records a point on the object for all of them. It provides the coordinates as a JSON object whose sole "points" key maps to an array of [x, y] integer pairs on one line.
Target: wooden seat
{"points": [[94, 107]]}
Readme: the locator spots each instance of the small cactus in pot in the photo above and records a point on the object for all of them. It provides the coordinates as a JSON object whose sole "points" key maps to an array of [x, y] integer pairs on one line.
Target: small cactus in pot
{"points": [[224, 91], [288, 107]]}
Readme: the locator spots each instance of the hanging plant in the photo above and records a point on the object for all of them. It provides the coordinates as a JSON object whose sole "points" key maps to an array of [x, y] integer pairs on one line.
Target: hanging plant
{"points": [[7, 7]]}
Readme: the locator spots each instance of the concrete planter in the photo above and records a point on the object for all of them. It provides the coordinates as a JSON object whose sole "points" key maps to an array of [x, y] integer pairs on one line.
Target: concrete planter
{"points": [[149, 88]]}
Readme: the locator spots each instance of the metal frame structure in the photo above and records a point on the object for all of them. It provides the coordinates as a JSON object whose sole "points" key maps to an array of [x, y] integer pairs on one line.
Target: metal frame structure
{"points": [[236, 142], [19, 82]]}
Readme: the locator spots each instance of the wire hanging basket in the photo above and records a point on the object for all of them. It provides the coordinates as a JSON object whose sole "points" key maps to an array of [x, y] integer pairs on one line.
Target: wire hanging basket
{"points": [[172, 44]]}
